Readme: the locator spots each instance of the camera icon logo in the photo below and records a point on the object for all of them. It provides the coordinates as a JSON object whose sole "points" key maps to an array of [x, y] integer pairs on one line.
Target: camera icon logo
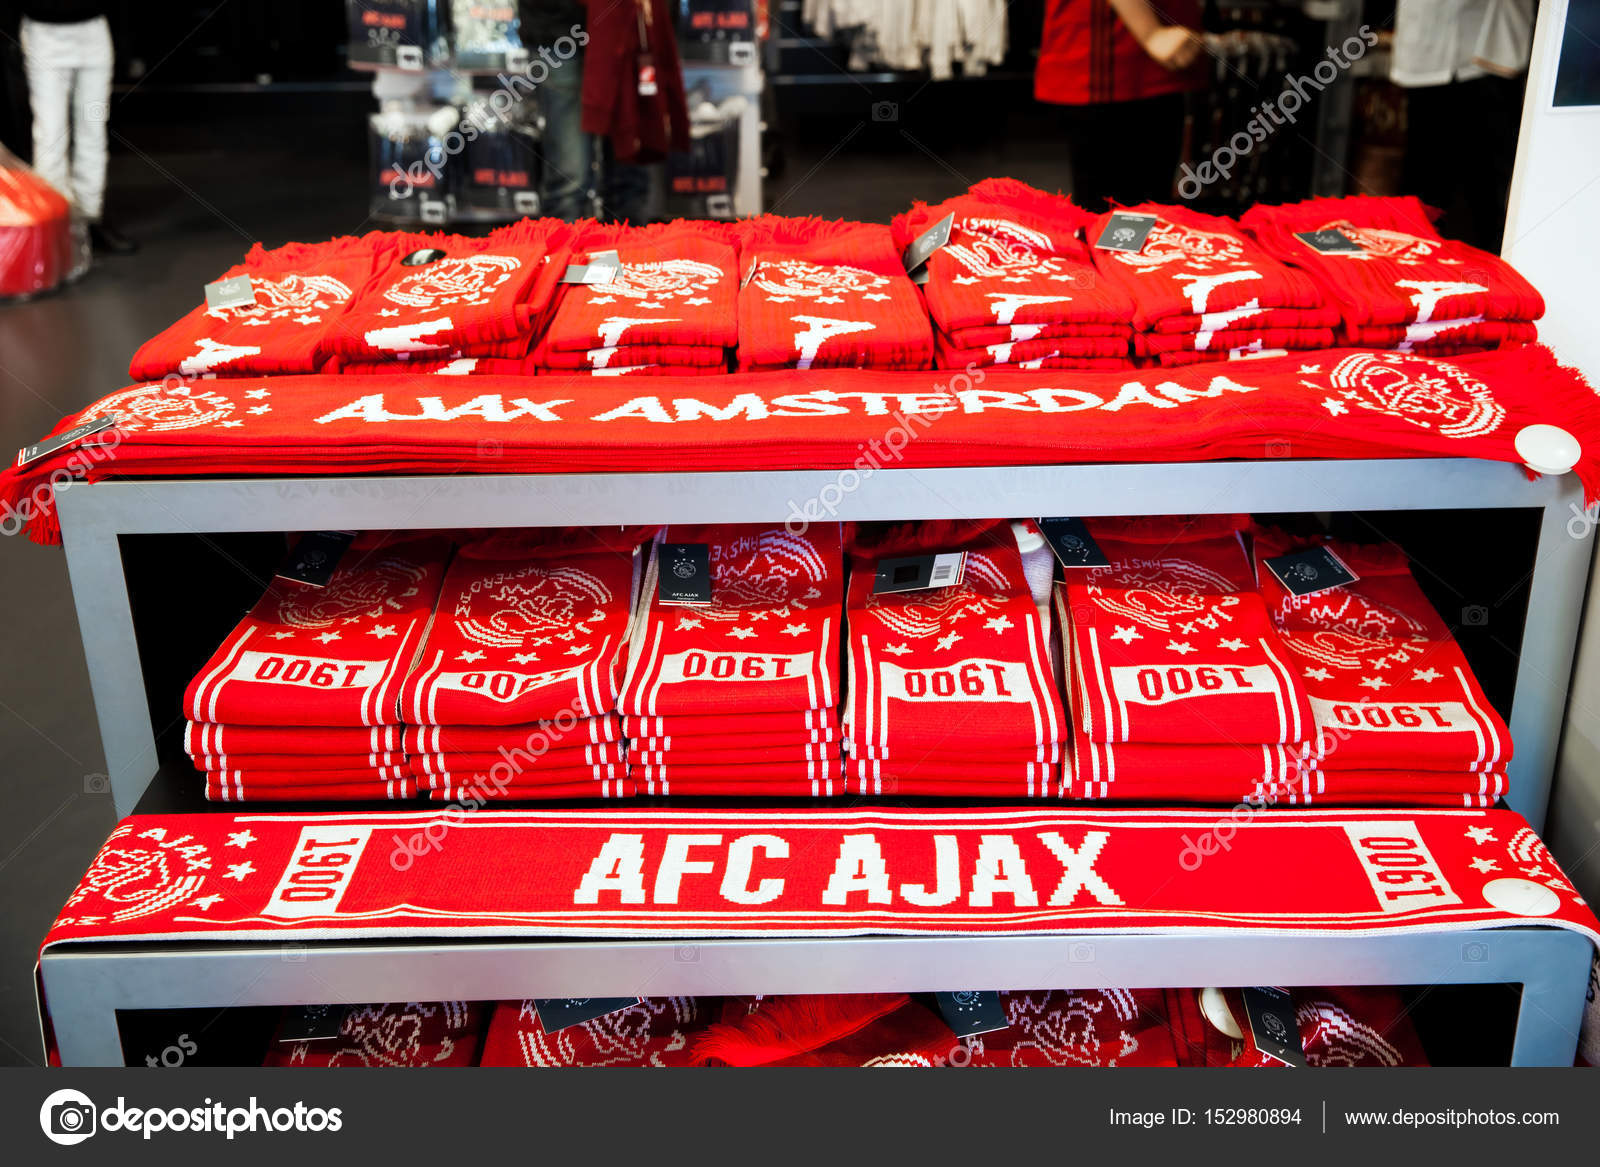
{"points": [[885, 111], [67, 1117], [1474, 616], [1474, 952]]}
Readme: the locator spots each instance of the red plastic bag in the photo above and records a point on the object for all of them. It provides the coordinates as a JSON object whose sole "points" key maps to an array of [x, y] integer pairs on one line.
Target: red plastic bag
{"points": [[37, 247]]}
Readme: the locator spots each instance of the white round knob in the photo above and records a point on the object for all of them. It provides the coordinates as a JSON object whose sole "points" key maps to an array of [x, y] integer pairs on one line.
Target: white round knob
{"points": [[1214, 1007], [1548, 449]]}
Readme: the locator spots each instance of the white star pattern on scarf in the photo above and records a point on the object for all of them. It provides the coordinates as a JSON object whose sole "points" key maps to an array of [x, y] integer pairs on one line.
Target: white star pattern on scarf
{"points": [[898, 649], [1311, 368], [1181, 647], [1318, 674], [874, 295], [383, 631], [948, 641], [1126, 633], [258, 409], [794, 629], [1480, 835], [1484, 866], [965, 280], [328, 637], [1232, 644], [688, 622], [470, 656], [240, 871], [282, 635], [205, 902], [577, 650], [240, 838], [303, 318], [256, 394], [999, 624], [1374, 683], [1334, 407], [698, 300], [742, 633], [524, 658], [1425, 674]]}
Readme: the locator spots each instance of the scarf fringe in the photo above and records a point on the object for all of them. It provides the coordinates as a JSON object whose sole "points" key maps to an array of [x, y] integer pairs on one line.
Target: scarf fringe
{"points": [[806, 231], [292, 255], [591, 236], [1014, 192], [1396, 213], [787, 1026]]}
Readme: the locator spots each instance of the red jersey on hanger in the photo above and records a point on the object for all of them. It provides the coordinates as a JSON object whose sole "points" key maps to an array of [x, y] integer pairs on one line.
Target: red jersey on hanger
{"points": [[1086, 54]]}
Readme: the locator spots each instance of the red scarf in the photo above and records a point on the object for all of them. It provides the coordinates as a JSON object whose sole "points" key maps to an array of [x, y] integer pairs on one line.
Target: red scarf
{"points": [[1247, 318], [523, 633], [205, 738], [1389, 686], [964, 666], [1014, 257], [827, 295], [1406, 272], [654, 1033], [579, 757], [451, 367], [302, 293], [1018, 780], [1338, 1027], [1192, 264], [333, 656], [312, 762], [536, 738], [1441, 337], [238, 787], [480, 295], [1051, 352], [1154, 344], [767, 643], [733, 752], [1084, 1027], [1170, 643], [813, 779], [812, 725], [861, 1030], [448, 788], [676, 287], [613, 360], [409, 1035]]}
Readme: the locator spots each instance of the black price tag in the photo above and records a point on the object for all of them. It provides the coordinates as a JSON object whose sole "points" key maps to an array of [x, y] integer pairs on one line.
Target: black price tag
{"points": [[1305, 573], [928, 242], [916, 572], [1072, 543], [236, 292], [685, 575], [421, 256], [972, 1012], [312, 1023], [316, 557], [1125, 231], [77, 433], [1272, 1025], [557, 1013], [1329, 241], [601, 269]]}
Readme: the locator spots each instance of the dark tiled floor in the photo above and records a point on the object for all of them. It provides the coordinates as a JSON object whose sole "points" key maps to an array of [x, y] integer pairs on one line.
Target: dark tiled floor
{"points": [[198, 195]]}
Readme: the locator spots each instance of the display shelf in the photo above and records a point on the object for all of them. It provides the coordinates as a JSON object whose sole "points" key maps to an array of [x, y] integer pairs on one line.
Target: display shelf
{"points": [[94, 517], [87, 984]]}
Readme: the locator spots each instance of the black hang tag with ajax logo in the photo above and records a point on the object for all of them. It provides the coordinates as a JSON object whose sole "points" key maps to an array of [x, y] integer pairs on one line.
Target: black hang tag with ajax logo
{"points": [[312, 1023], [1329, 241], [65, 438], [602, 268], [1126, 231], [234, 292], [315, 557], [1072, 544], [972, 1012], [913, 573], [928, 242], [1273, 1025], [685, 576], [557, 1013], [1305, 573]]}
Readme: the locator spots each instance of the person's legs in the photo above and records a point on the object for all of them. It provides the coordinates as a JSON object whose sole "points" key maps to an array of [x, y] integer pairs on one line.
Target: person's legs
{"points": [[568, 152], [91, 109], [1124, 151], [627, 191], [49, 93]]}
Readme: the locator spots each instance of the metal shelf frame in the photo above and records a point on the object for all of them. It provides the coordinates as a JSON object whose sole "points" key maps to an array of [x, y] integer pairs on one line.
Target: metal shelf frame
{"points": [[87, 984], [94, 517]]}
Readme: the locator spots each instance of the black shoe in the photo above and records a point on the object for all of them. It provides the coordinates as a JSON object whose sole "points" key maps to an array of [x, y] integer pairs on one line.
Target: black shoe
{"points": [[108, 241]]}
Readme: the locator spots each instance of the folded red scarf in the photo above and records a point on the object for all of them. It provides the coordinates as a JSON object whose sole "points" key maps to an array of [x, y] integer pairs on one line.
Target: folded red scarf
{"points": [[732, 783], [448, 367], [201, 738], [797, 770], [470, 789], [1192, 263], [432, 774], [1083, 1027], [1148, 344], [606, 754], [410, 1035], [237, 787], [310, 762], [964, 666], [519, 741], [477, 295], [626, 356], [334, 655], [1338, 1027], [819, 294], [305, 776], [1022, 780], [302, 291], [862, 1030], [524, 632], [1014, 257], [722, 746], [676, 287], [768, 641], [1248, 318], [642, 754], [1440, 336], [1404, 272], [811, 724], [1171, 643], [1049, 352], [654, 1033], [1389, 686]]}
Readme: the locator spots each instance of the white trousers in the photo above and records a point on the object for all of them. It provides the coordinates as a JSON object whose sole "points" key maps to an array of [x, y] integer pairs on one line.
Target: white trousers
{"points": [[69, 87]]}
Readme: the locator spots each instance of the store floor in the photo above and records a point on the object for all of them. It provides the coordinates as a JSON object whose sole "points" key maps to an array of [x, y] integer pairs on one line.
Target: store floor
{"points": [[196, 208]]}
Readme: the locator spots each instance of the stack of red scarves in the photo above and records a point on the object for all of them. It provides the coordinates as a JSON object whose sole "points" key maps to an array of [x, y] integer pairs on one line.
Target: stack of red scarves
{"points": [[1398, 714], [1338, 1027], [300, 702], [1016, 285], [671, 308], [1401, 285], [1173, 660], [302, 293], [655, 1033], [514, 694], [438, 297], [1203, 290], [411, 1035], [822, 295], [1083, 1027], [951, 693], [739, 696]]}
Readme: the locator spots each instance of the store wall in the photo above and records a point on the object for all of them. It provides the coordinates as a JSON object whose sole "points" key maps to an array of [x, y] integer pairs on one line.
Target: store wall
{"points": [[1550, 237]]}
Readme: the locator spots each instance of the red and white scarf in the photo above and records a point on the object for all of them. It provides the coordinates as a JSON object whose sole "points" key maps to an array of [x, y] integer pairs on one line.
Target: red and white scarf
{"points": [[1405, 271], [203, 739], [824, 295], [330, 656], [654, 1033], [767, 643], [411, 1035], [534, 739], [236, 786]]}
